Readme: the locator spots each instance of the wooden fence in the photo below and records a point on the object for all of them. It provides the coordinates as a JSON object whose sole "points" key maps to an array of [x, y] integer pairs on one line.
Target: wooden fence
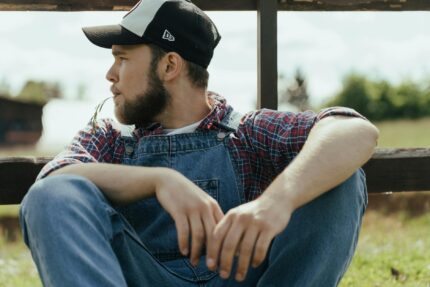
{"points": [[389, 170]]}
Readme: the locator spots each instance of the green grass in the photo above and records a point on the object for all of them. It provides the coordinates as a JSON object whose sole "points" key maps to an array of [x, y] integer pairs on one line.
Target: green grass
{"points": [[9, 210], [16, 266], [392, 251], [386, 242], [404, 133]]}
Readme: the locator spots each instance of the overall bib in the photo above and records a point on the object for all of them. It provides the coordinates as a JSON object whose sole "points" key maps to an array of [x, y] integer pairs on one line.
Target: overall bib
{"points": [[136, 245], [203, 158]]}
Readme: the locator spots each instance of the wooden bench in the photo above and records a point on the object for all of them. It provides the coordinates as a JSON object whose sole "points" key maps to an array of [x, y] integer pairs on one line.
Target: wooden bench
{"points": [[389, 170]]}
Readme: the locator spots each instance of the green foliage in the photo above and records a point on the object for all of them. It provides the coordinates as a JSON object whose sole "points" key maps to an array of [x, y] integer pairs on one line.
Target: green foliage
{"points": [[39, 91], [380, 100]]}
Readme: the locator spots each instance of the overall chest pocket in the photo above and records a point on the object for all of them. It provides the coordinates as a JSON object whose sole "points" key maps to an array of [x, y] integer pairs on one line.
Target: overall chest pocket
{"points": [[210, 186], [155, 227]]}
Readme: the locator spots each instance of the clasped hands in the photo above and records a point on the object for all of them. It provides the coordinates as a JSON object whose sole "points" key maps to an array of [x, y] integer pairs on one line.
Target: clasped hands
{"points": [[246, 230]]}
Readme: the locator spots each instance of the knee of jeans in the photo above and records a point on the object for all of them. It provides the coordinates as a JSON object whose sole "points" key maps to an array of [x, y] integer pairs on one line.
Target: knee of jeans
{"points": [[56, 193], [354, 190]]}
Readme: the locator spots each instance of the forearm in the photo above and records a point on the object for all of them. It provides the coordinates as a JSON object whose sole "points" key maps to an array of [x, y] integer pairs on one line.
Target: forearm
{"points": [[121, 184], [334, 150]]}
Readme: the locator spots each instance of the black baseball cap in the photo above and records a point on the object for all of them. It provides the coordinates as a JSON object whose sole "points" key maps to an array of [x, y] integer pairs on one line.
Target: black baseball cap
{"points": [[173, 25]]}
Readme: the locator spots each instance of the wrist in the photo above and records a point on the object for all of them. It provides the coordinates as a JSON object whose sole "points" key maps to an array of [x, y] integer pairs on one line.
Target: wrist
{"points": [[281, 192]]}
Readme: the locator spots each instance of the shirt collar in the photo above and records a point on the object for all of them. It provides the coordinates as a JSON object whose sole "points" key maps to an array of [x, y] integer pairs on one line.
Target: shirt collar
{"points": [[219, 110]]}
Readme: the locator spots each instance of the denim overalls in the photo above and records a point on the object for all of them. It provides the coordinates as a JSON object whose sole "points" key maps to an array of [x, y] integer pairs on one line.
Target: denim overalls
{"points": [[203, 158], [79, 238]]}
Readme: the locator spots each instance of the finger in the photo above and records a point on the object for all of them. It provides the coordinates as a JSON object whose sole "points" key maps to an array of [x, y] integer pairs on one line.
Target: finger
{"points": [[245, 252], [209, 225], [261, 247], [229, 247], [183, 229], [197, 239], [216, 242], [218, 213]]}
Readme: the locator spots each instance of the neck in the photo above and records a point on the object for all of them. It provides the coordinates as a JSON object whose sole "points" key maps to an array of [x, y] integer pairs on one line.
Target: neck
{"points": [[185, 108]]}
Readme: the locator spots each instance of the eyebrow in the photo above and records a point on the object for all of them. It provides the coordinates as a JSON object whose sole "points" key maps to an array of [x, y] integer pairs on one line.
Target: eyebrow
{"points": [[117, 52]]}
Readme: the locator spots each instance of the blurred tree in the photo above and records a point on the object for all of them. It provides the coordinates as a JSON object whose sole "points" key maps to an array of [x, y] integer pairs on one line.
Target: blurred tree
{"points": [[40, 91], [295, 93], [354, 94], [380, 100], [5, 88], [381, 105]]}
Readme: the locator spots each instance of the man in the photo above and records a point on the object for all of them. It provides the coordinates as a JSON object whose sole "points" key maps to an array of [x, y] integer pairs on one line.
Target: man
{"points": [[196, 194]]}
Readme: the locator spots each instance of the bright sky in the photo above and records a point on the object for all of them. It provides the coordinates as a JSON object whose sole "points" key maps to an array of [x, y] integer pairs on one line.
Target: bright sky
{"points": [[325, 46]]}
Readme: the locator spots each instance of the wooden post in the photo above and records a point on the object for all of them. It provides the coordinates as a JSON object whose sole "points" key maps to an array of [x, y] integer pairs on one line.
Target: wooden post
{"points": [[267, 47]]}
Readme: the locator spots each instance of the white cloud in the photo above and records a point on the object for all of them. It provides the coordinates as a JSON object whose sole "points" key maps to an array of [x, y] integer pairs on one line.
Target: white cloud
{"points": [[51, 46]]}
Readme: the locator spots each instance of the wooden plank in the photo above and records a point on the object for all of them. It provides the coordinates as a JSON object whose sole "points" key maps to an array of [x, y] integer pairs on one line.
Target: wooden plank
{"points": [[354, 5], [389, 170], [17, 174], [115, 5], [267, 55], [393, 170], [221, 5]]}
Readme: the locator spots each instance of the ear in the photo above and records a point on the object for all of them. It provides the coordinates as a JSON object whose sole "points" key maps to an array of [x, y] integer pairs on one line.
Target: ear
{"points": [[172, 66]]}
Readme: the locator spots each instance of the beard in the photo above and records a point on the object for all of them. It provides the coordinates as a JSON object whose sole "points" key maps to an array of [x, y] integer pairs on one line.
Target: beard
{"points": [[147, 106]]}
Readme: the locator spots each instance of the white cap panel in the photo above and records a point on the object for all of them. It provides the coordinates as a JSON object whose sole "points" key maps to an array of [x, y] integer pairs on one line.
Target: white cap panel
{"points": [[141, 15]]}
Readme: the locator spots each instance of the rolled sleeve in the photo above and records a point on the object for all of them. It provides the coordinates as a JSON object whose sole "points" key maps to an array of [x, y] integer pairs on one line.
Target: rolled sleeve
{"points": [[277, 137], [87, 146]]}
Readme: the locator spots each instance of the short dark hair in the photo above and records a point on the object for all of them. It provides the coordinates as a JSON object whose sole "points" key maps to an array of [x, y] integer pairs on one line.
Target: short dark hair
{"points": [[198, 75]]}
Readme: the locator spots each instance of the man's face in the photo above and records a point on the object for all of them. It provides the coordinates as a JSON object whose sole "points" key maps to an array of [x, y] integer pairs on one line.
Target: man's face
{"points": [[139, 94]]}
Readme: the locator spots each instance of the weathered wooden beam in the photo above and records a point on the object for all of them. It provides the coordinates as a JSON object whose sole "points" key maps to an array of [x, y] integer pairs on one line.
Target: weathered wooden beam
{"points": [[221, 5], [393, 170], [17, 174], [267, 55], [389, 170]]}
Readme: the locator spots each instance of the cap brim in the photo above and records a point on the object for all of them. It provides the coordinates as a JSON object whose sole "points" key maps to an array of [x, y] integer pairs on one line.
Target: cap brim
{"points": [[106, 36]]}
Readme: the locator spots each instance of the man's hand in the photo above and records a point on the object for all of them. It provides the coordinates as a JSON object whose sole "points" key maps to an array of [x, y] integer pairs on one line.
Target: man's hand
{"points": [[192, 209], [246, 230]]}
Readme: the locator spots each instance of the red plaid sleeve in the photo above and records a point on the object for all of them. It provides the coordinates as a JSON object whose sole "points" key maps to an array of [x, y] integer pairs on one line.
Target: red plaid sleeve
{"points": [[87, 146], [277, 137]]}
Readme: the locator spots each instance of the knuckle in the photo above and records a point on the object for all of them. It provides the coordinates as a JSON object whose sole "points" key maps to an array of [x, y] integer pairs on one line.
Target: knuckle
{"points": [[216, 236], [245, 249], [259, 251], [245, 218], [228, 246], [262, 224], [199, 234]]}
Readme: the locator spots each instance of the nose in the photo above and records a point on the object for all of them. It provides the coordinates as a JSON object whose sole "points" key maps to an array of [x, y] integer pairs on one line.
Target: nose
{"points": [[112, 75]]}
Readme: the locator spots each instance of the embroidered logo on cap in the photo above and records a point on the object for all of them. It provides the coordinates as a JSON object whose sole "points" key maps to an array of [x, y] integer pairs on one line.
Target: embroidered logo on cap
{"points": [[168, 36]]}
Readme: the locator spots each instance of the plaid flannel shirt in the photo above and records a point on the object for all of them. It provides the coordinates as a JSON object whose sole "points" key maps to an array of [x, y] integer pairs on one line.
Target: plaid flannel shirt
{"points": [[265, 142]]}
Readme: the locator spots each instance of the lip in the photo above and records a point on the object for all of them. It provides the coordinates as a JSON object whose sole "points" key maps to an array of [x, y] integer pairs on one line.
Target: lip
{"points": [[114, 91]]}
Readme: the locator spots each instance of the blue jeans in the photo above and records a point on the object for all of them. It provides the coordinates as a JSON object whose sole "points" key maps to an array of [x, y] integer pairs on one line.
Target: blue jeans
{"points": [[77, 238]]}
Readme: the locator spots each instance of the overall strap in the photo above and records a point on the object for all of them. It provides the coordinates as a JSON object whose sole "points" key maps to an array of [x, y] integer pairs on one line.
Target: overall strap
{"points": [[231, 121]]}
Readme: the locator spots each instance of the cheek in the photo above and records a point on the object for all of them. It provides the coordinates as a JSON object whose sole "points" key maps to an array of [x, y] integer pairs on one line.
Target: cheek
{"points": [[133, 81]]}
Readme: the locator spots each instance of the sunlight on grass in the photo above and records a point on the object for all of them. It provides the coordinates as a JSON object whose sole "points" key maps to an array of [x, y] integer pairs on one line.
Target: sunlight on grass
{"points": [[392, 251], [16, 266], [404, 133]]}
